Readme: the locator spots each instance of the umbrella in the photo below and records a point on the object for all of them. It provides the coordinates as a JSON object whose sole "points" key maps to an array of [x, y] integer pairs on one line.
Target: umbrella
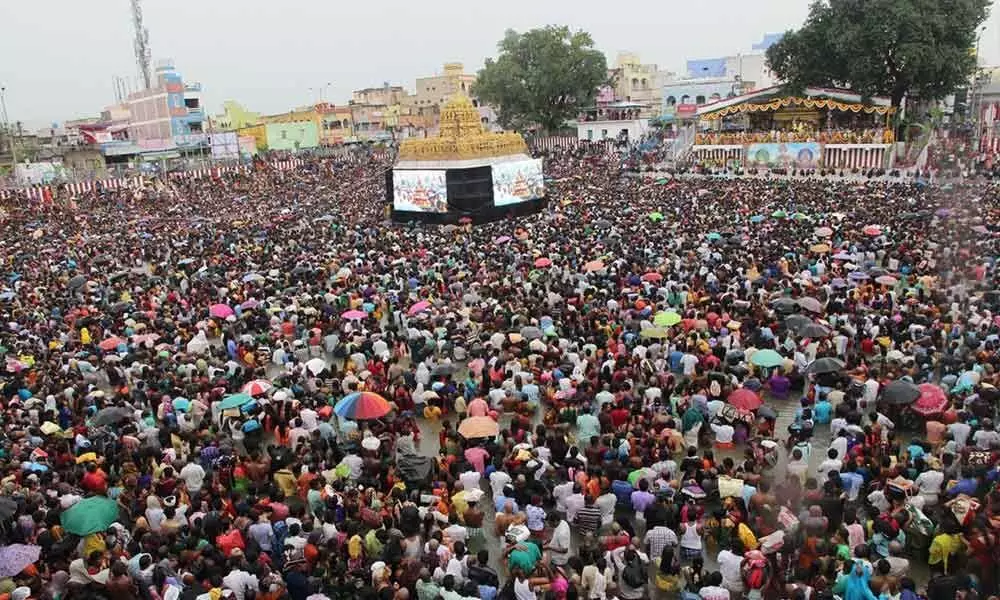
{"points": [[843, 256], [811, 304], [766, 358], [362, 405], [7, 508], [257, 387], [794, 322], [429, 395], [654, 333], [76, 282], [873, 230], [418, 307], [594, 265], [353, 315], [819, 248], [900, 392], [182, 404], [90, 515], [800, 216], [932, 400], [784, 304], [250, 304], [234, 401], [823, 232], [779, 214], [445, 369], [503, 239], [111, 343], [111, 415], [744, 399], [714, 236], [757, 219], [825, 365], [886, 280], [316, 365], [221, 311], [531, 333], [812, 330], [766, 412], [478, 427], [542, 262], [655, 216], [652, 276], [666, 319]]}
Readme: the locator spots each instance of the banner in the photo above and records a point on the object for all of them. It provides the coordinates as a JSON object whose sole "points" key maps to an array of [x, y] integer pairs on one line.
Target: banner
{"points": [[792, 155], [419, 191], [519, 181]]}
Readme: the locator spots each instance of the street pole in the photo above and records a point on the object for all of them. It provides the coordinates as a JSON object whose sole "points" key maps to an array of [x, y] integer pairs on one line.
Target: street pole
{"points": [[6, 126]]}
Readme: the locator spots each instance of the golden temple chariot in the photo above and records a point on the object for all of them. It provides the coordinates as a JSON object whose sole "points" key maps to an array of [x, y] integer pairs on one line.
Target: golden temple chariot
{"points": [[462, 137]]}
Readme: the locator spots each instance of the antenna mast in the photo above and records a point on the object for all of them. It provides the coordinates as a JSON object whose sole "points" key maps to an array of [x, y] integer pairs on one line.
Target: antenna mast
{"points": [[143, 55]]}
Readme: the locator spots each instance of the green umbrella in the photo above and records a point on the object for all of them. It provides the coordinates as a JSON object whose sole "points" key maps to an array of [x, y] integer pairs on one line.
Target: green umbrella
{"points": [[662, 181], [800, 216], [666, 319], [655, 216], [779, 214], [91, 515], [715, 235], [766, 358], [654, 333], [234, 401]]}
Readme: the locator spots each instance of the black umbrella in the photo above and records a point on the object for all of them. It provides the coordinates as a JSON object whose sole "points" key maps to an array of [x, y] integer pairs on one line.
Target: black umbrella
{"points": [[812, 330], [8, 508], [901, 392], [443, 370], [785, 304], [825, 365], [111, 415], [76, 282], [794, 322], [766, 412]]}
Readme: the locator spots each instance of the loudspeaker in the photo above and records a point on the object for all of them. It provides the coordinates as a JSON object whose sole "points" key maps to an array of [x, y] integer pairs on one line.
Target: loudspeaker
{"points": [[469, 190]]}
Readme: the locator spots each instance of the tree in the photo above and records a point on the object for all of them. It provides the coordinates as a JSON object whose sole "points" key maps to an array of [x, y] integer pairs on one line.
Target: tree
{"points": [[883, 47], [542, 77]]}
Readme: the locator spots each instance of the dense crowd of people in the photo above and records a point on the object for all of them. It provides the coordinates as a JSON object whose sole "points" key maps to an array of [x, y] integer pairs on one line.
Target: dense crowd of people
{"points": [[258, 387]]}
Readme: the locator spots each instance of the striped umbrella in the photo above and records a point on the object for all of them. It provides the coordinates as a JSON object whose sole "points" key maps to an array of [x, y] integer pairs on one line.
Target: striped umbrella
{"points": [[360, 406]]}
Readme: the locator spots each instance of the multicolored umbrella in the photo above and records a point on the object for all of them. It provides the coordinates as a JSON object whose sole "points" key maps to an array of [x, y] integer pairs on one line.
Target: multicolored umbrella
{"points": [[258, 387], [360, 406], [16, 558], [90, 515], [478, 427], [221, 311], [932, 400]]}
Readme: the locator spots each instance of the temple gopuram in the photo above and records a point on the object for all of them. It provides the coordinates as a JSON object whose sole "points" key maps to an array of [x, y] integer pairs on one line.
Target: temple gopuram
{"points": [[461, 138]]}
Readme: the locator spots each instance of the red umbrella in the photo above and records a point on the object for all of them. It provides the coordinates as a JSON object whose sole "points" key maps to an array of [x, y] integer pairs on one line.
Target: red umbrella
{"points": [[932, 400], [111, 343], [745, 399], [652, 276], [542, 262]]}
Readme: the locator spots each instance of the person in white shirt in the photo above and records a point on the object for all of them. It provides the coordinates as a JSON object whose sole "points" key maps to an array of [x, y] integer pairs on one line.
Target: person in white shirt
{"points": [[729, 567], [558, 545], [723, 434], [960, 433], [498, 480], [832, 462], [193, 476], [929, 484], [470, 480], [240, 581], [574, 502]]}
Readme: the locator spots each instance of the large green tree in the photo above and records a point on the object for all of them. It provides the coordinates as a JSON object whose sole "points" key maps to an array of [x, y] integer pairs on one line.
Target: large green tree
{"points": [[883, 47], [542, 77]]}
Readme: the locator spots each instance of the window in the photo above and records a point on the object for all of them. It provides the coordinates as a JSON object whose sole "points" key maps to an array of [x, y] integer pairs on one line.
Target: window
{"points": [[623, 133], [284, 134], [671, 101], [635, 82], [590, 135], [685, 99], [645, 84], [604, 134], [715, 97], [699, 100], [463, 86]]}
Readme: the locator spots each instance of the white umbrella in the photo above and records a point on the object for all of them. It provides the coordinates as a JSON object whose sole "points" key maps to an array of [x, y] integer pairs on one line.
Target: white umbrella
{"points": [[316, 366]]}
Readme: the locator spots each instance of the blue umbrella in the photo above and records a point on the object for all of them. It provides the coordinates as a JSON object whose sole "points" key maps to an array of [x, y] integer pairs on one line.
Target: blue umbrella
{"points": [[182, 404], [757, 219]]}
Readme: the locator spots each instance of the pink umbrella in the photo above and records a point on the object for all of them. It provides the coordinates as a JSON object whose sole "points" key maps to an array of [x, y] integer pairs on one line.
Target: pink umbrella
{"points": [[932, 400], [652, 276], [145, 337], [503, 239], [543, 262], [418, 307], [221, 311], [873, 230], [111, 343], [353, 315], [250, 304]]}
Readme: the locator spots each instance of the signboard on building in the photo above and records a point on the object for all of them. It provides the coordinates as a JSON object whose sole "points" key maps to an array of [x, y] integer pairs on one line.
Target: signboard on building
{"points": [[687, 110]]}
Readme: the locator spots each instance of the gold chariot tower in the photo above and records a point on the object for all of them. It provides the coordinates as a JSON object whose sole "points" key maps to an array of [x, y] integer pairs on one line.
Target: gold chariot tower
{"points": [[461, 137]]}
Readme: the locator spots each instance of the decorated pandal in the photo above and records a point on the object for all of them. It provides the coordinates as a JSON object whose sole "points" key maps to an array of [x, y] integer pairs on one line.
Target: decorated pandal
{"points": [[832, 136], [462, 137]]}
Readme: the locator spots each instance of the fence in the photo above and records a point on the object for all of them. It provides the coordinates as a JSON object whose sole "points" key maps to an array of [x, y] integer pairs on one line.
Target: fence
{"points": [[567, 142]]}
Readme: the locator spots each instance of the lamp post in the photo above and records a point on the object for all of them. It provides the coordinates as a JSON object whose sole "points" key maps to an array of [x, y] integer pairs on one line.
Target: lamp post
{"points": [[6, 125]]}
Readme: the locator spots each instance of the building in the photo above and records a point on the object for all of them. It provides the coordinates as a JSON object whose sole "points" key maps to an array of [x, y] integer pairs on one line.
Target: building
{"points": [[170, 109], [437, 90], [638, 83], [382, 96], [619, 121], [234, 116], [291, 135], [709, 80], [335, 124]]}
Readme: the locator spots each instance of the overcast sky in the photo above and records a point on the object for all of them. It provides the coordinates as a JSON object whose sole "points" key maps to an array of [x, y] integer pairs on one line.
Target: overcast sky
{"points": [[58, 57]]}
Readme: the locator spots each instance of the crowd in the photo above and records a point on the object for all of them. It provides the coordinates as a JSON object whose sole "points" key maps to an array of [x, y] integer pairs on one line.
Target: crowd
{"points": [[257, 387]]}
